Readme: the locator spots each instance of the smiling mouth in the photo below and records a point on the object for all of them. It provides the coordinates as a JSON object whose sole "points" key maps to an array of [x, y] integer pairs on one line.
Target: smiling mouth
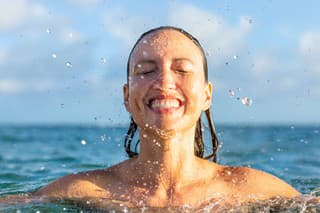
{"points": [[164, 104]]}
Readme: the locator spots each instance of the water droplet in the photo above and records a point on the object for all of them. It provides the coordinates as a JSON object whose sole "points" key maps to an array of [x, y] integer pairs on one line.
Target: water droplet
{"points": [[48, 30], [144, 135], [64, 209], [103, 137], [70, 35], [42, 168], [83, 142], [144, 53], [246, 101], [229, 172], [316, 131], [62, 105], [103, 60], [292, 127], [88, 202], [68, 64], [53, 55], [142, 76], [144, 41], [238, 88], [231, 92], [139, 65], [235, 57], [279, 150], [227, 63], [271, 158]]}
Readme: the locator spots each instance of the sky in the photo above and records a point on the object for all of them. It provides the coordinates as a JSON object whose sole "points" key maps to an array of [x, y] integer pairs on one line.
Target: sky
{"points": [[65, 61]]}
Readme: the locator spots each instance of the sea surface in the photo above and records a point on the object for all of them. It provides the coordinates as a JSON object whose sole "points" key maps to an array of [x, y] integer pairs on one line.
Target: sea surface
{"points": [[33, 155]]}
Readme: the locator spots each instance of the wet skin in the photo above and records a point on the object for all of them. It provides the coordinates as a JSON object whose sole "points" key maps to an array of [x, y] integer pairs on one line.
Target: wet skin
{"points": [[165, 95]]}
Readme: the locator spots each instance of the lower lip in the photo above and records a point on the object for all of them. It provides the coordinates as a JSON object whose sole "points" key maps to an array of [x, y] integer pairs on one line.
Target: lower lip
{"points": [[165, 110]]}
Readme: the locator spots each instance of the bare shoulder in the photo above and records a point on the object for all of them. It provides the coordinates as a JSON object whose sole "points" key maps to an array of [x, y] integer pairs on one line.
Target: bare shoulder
{"points": [[265, 185], [84, 184]]}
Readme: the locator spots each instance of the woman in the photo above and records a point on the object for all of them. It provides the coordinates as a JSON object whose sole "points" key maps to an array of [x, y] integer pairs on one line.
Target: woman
{"points": [[166, 92]]}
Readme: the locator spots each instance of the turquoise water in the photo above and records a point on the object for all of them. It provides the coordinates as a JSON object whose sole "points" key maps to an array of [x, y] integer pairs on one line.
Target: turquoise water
{"points": [[33, 155]]}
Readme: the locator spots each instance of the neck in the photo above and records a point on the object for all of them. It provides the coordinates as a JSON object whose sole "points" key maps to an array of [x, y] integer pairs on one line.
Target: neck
{"points": [[167, 160]]}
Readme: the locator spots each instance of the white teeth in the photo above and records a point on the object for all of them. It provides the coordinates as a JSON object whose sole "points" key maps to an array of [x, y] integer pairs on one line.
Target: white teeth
{"points": [[165, 103]]}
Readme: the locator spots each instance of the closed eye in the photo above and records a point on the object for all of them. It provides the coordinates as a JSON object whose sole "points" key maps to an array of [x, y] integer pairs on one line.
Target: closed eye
{"points": [[183, 71], [143, 72]]}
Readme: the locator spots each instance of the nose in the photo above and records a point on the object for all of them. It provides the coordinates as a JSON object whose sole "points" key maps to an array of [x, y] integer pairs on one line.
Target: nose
{"points": [[165, 79]]}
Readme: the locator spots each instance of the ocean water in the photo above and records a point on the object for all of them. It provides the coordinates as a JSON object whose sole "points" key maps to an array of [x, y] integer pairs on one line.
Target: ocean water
{"points": [[33, 155]]}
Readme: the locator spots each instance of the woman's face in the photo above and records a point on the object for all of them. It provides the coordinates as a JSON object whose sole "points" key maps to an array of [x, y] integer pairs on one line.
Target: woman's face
{"points": [[167, 88]]}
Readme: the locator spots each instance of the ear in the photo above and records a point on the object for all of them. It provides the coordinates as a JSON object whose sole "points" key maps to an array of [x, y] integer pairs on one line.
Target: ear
{"points": [[208, 95], [126, 97]]}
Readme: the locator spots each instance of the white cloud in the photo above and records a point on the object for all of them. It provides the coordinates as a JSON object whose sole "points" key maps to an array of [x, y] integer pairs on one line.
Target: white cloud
{"points": [[12, 13], [20, 13], [15, 86], [310, 51], [69, 35], [8, 86], [221, 39], [126, 28]]}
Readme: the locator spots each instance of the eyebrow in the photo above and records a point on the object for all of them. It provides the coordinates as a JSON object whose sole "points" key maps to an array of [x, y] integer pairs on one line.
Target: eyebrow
{"points": [[183, 59], [146, 61]]}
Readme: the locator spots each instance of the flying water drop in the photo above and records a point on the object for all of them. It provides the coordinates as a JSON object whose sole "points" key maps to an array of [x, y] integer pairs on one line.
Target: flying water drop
{"points": [[246, 101], [53, 55], [68, 64], [103, 60], [231, 93]]}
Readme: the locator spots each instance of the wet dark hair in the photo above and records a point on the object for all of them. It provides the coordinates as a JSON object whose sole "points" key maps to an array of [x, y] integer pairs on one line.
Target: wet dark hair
{"points": [[198, 139]]}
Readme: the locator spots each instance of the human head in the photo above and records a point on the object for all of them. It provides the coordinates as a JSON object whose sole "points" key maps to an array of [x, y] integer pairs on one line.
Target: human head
{"points": [[199, 146]]}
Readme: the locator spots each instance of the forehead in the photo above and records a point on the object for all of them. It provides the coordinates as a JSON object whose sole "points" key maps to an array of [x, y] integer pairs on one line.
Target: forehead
{"points": [[162, 42]]}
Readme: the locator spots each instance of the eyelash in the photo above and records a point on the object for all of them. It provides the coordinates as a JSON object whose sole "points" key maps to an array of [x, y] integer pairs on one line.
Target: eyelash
{"points": [[146, 72], [182, 71]]}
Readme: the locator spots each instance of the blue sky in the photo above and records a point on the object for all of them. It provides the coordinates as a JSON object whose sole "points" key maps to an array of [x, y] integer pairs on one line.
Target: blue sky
{"points": [[268, 51]]}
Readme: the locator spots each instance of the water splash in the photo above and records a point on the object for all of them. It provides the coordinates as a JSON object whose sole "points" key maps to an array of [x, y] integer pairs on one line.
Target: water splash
{"points": [[231, 93], [68, 64], [53, 55], [103, 60], [246, 101]]}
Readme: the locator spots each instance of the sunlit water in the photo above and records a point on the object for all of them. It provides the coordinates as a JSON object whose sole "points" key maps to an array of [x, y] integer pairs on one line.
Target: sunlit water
{"points": [[32, 156]]}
